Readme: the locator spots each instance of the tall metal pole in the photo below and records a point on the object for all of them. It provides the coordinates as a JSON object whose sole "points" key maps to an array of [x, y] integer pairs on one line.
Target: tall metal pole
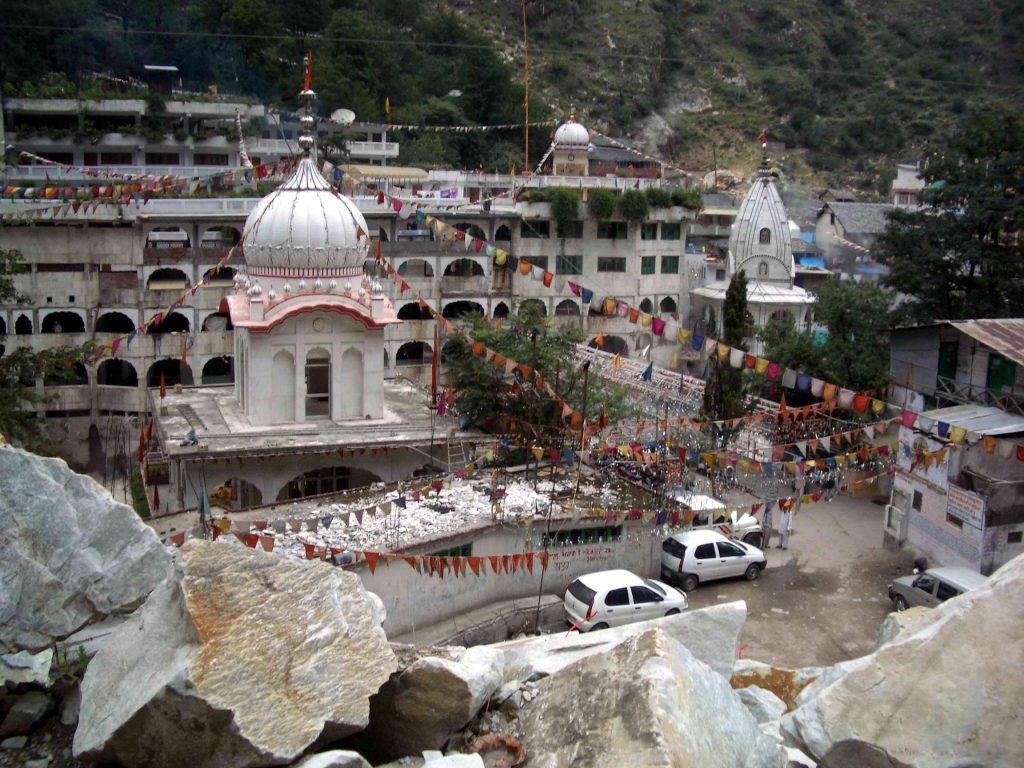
{"points": [[526, 89]]}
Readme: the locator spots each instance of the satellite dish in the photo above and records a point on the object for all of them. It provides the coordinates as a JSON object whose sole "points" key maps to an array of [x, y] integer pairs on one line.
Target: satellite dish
{"points": [[343, 117]]}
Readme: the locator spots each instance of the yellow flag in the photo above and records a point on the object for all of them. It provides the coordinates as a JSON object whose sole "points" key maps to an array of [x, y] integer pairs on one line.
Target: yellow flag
{"points": [[617, 362]]}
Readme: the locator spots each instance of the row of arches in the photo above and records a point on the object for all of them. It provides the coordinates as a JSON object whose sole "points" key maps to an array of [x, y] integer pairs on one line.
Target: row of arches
{"points": [[220, 236], [114, 322], [116, 372], [171, 278], [314, 482]]}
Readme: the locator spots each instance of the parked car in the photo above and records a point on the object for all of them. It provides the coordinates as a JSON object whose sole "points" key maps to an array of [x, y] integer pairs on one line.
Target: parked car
{"points": [[932, 587], [690, 558], [612, 598]]}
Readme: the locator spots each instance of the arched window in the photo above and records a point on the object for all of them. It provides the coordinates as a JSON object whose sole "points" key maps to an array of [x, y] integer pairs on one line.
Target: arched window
{"points": [[413, 311], [114, 322], [63, 322], [3, 327], [117, 373], [76, 375], [503, 233], [318, 384], [219, 370], [220, 237], [174, 373], [415, 268], [764, 236], [501, 310], [219, 278], [472, 230], [646, 306], [567, 307], [463, 268], [413, 353], [23, 325], [459, 309], [762, 269], [218, 321], [173, 323], [167, 279], [534, 306], [668, 305], [326, 480]]}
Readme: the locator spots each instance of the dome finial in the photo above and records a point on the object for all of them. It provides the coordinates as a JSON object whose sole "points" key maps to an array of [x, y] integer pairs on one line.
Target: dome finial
{"points": [[572, 112], [307, 102]]}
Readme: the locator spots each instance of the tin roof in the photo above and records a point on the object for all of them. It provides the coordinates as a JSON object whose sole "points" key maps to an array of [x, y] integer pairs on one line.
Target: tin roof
{"points": [[1005, 336], [983, 419]]}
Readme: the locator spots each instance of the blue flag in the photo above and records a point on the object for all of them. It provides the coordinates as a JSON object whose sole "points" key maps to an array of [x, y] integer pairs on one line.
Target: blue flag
{"points": [[648, 372]]}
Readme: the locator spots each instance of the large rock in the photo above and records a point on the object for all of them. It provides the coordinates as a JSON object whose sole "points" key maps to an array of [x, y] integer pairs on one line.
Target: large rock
{"points": [[764, 705], [898, 622], [248, 660], [710, 634], [422, 707], [947, 693], [25, 667], [71, 553], [337, 758], [28, 709], [647, 702]]}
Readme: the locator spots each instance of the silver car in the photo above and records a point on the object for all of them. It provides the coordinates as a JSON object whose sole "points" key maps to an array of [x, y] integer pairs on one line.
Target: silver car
{"points": [[933, 587]]}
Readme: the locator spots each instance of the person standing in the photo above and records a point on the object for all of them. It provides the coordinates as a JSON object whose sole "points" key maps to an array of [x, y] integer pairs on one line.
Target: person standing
{"points": [[785, 524]]}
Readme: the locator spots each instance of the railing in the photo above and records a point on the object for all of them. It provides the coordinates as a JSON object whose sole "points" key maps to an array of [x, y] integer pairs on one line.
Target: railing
{"points": [[372, 148], [950, 390]]}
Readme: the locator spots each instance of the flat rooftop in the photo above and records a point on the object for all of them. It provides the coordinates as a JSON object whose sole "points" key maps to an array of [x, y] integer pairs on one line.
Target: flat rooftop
{"points": [[223, 429]]}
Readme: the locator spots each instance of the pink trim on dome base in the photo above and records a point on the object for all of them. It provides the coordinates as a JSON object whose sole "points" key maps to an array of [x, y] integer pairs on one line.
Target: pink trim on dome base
{"points": [[304, 272], [277, 313]]}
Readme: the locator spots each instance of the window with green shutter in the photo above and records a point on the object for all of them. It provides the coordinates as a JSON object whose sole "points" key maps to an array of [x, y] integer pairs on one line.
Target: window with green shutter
{"points": [[647, 265], [669, 265]]}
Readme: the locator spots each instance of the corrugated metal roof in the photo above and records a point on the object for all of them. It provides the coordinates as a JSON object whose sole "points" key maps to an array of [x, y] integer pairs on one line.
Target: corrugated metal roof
{"points": [[983, 419], [1005, 336]]}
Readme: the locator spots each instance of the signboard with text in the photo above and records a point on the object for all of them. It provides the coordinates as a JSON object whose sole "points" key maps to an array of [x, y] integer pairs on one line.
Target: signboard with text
{"points": [[965, 505]]}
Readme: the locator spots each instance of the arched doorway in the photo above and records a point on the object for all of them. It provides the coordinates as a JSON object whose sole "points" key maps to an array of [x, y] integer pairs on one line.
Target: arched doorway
{"points": [[282, 382], [503, 233], [219, 370], [63, 322], [114, 322], [168, 237], [76, 375], [472, 230], [567, 308], [318, 384], [23, 326], [613, 345], [117, 373], [173, 323], [413, 353], [501, 310], [646, 306], [220, 237], [413, 311], [219, 278], [458, 310], [351, 384], [326, 480], [173, 371], [668, 305]]}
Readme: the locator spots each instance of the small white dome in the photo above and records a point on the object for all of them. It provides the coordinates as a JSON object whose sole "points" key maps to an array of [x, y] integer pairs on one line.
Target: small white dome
{"points": [[571, 135], [305, 225]]}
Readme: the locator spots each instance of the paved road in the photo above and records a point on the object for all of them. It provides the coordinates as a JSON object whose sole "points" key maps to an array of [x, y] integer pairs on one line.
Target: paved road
{"points": [[822, 600]]}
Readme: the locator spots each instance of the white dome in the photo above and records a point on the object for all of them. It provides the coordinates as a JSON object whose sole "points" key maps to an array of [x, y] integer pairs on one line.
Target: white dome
{"points": [[305, 225], [572, 134]]}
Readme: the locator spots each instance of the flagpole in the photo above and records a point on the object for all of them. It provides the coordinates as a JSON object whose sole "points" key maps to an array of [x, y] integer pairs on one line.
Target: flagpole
{"points": [[526, 91]]}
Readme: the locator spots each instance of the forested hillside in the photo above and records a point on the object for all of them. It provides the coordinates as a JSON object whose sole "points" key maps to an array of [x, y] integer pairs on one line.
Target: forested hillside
{"points": [[853, 85]]}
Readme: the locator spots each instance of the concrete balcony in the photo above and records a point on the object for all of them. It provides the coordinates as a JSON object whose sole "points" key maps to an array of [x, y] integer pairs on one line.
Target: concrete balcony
{"points": [[109, 398], [76, 397], [372, 149], [465, 286]]}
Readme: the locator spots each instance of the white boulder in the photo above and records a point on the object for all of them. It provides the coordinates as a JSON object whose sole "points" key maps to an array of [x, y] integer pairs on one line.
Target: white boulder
{"points": [[249, 660], [71, 553]]}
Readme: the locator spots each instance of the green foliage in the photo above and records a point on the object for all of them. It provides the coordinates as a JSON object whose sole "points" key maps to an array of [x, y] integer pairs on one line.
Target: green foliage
{"points": [[601, 203], [492, 398], [658, 197], [724, 390], [857, 316], [20, 367], [633, 205], [565, 206], [139, 502], [688, 198], [962, 257]]}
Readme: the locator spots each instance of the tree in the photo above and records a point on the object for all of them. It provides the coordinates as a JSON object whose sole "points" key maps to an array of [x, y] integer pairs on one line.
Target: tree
{"points": [[493, 398], [21, 367], [961, 256], [723, 392], [854, 351]]}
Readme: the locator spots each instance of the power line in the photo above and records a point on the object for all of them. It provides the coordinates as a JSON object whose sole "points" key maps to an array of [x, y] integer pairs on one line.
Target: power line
{"points": [[553, 52]]}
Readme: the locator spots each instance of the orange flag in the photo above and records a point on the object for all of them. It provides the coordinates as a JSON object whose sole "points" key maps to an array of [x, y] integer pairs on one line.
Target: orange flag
{"points": [[371, 560], [163, 386]]}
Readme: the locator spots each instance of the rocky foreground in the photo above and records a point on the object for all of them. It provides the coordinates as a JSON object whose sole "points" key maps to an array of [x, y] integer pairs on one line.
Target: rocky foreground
{"points": [[241, 658]]}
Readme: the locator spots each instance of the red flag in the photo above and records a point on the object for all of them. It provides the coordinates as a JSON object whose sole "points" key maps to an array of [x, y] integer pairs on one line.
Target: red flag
{"points": [[149, 430], [142, 445], [371, 560], [309, 71], [184, 357], [156, 498], [433, 372], [163, 386]]}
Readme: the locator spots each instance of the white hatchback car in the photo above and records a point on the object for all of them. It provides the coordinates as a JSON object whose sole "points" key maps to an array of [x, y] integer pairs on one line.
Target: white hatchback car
{"points": [[693, 557], [612, 598]]}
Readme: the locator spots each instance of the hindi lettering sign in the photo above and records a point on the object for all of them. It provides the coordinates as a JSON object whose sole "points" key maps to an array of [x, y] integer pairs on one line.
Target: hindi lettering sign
{"points": [[965, 505]]}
